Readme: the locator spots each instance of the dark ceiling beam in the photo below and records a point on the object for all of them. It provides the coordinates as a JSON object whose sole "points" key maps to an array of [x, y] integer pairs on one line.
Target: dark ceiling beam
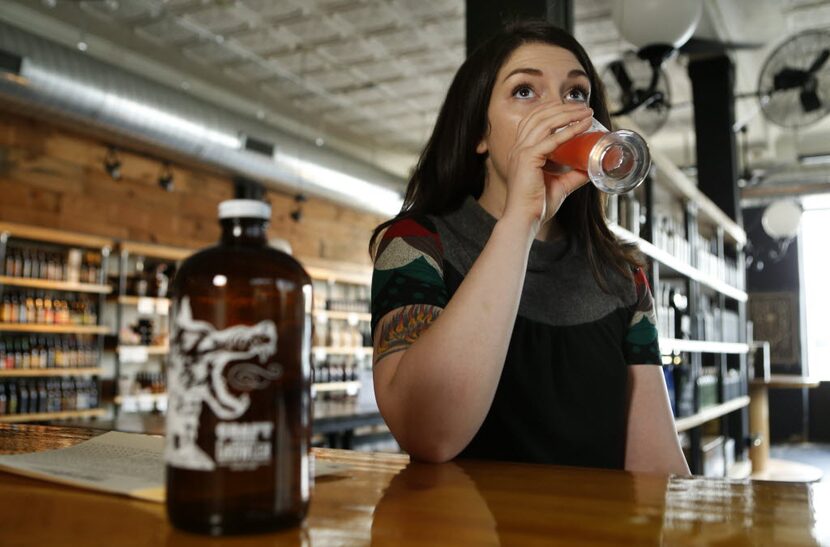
{"points": [[487, 17]]}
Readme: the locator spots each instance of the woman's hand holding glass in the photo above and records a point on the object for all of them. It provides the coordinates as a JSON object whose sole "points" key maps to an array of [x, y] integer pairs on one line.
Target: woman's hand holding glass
{"points": [[533, 192]]}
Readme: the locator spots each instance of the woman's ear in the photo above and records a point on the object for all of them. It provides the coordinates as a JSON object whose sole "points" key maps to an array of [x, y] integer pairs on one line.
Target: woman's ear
{"points": [[482, 146]]}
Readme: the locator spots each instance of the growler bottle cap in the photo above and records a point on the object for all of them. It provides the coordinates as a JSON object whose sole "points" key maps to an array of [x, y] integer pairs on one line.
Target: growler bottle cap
{"points": [[244, 208]]}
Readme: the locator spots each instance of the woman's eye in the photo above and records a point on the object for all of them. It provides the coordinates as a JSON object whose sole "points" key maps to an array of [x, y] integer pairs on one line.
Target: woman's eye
{"points": [[577, 94], [524, 92]]}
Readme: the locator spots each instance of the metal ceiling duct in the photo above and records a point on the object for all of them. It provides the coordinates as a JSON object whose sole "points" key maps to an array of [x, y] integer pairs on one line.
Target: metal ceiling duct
{"points": [[54, 80]]}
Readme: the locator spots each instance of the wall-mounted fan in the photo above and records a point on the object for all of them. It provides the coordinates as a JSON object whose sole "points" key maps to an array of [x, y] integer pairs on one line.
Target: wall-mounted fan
{"points": [[636, 88], [794, 85], [660, 30]]}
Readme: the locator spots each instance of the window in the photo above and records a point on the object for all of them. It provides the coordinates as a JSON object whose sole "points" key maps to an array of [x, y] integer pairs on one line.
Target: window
{"points": [[815, 226]]}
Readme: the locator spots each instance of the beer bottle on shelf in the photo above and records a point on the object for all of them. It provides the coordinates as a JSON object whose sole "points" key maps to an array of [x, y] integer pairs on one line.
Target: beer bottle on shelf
{"points": [[238, 417]]}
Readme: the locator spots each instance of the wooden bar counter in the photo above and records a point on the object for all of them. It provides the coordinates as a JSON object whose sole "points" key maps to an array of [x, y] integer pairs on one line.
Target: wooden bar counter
{"points": [[386, 500]]}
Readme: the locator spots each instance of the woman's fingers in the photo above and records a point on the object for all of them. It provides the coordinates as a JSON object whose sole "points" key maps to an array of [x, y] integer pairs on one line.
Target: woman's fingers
{"points": [[549, 143], [572, 181], [545, 119]]}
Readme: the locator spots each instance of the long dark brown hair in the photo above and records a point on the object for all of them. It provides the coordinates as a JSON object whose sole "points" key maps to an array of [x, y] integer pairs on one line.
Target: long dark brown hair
{"points": [[450, 169]]}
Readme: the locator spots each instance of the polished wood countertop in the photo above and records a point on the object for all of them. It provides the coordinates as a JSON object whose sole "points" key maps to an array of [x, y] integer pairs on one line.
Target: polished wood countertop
{"points": [[384, 499]]}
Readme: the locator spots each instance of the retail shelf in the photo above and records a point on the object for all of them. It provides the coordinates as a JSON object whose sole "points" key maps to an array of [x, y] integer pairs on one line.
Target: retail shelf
{"points": [[337, 272], [332, 350], [49, 285], [344, 315], [681, 267], [711, 413], [136, 300], [140, 398], [673, 345], [139, 354], [41, 372], [53, 329], [54, 236], [336, 386], [45, 416], [670, 176], [154, 251]]}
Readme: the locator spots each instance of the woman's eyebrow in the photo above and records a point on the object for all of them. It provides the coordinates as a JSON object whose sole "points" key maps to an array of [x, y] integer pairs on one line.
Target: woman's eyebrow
{"points": [[575, 73], [528, 70]]}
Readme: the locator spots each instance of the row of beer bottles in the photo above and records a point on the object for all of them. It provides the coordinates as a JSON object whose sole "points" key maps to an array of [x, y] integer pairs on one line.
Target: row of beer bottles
{"points": [[48, 308], [65, 265], [26, 396], [335, 369], [40, 352]]}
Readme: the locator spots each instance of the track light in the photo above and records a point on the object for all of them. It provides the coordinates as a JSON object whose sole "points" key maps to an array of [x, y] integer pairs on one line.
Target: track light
{"points": [[297, 214], [112, 165], [166, 177]]}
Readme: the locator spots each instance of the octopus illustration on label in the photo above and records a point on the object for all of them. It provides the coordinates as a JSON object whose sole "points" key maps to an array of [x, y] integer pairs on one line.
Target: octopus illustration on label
{"points": [[204, 363]]}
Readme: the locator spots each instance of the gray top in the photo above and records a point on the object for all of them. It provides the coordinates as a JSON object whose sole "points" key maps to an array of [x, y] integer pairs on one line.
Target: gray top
{"points": [[559, 288]]}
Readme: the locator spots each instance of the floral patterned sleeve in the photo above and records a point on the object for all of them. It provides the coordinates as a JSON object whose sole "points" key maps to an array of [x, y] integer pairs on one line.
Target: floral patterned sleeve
{"points": [[408, 279]]}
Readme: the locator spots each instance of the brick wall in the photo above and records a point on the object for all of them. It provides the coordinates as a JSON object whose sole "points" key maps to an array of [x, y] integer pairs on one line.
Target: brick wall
{"points": [[54, 178]]}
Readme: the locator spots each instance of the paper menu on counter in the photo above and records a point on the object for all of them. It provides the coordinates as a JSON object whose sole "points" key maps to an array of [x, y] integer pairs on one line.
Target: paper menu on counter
{"points": [[128, 464]]}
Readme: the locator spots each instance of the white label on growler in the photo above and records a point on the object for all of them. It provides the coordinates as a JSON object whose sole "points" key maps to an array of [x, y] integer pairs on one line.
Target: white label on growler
{"points": [[204, 362]]}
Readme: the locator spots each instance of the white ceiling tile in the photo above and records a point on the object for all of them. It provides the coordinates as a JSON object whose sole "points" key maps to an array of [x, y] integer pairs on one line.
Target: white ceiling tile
{"points": [[348, 51], [369, 18], [166, 31], [364, 95], [123, 10], [264, 41], [401, 41], [332, 79], [299, 62], [282, 89], [271, 11], [385, 70], [252, 71], [312, 31], [431, 9], [217, 19], [210, 53]]}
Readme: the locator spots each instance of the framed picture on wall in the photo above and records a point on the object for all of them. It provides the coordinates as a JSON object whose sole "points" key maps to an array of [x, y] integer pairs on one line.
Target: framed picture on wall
{"points": [[774, 317]]}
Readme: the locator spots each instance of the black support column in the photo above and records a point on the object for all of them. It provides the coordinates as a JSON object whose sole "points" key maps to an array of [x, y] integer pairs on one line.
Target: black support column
{"points": [[486, 17], [713, 88]]}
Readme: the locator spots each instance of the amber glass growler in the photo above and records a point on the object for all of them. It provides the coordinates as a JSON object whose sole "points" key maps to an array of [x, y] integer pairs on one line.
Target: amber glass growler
{"points": [[238, 416]]}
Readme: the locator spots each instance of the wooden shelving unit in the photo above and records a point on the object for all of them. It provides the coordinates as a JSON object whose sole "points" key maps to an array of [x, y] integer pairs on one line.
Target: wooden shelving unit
{"points": [[49, 285], [155, 251], [151, 350], [60, 237], [130, 307], [337, 272], [140, 398], [48, 416], [336, 386], [53, 329], [331, 350], [711, 413], [48, 372], [343, 315], [136, 300]]}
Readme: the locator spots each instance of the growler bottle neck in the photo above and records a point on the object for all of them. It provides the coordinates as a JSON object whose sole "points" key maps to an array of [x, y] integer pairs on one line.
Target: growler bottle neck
{"points": [[244, 232]]}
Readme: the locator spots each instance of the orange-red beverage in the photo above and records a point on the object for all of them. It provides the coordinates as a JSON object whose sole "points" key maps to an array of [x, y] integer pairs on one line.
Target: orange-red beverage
{"points": [[574, 153], [616, 161]]}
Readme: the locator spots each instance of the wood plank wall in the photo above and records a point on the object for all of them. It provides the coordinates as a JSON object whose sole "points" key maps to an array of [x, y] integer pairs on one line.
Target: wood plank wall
{"points": [[54, 178]]}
